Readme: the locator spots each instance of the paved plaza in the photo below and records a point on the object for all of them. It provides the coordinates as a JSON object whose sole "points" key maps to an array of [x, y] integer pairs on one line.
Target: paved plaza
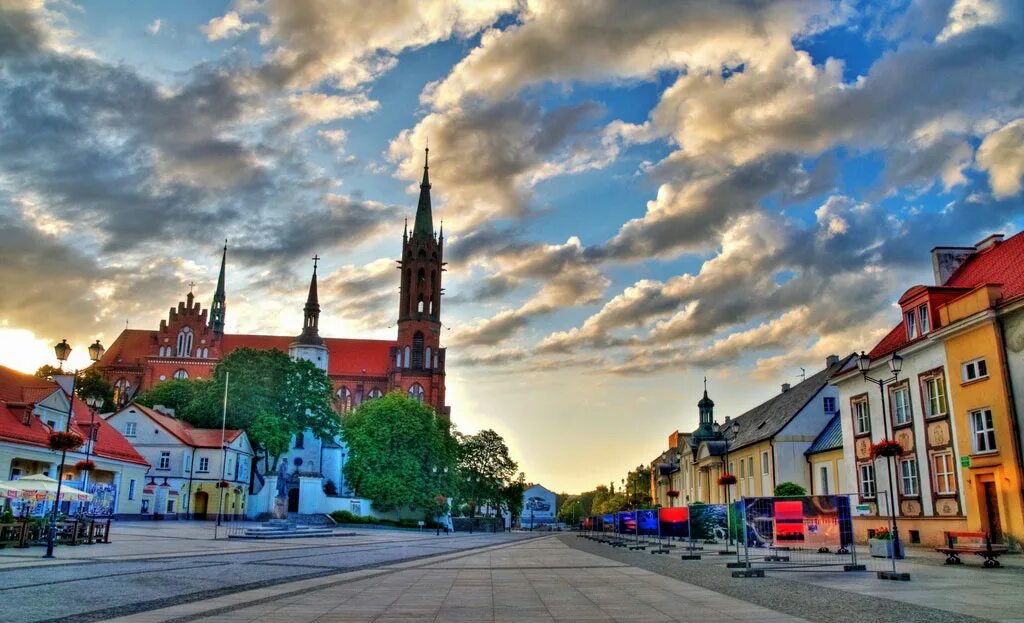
{"points": [[175, 572]]}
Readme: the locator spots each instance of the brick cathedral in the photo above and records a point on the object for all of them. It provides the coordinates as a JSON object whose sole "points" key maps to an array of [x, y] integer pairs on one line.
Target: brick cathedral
{"points": [[191, 341]]}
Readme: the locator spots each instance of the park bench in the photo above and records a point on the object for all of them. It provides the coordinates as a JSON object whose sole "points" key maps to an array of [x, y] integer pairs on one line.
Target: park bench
{"points": [[971, 543]]}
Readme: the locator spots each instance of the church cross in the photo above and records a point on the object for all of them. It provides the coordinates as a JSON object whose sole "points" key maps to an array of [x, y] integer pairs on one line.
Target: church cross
{"points": [[316, 258], [191, 284]]}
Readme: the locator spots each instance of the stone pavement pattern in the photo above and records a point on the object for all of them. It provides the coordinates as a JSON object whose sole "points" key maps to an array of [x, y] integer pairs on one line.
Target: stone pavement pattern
{"points": [[537, 580]]}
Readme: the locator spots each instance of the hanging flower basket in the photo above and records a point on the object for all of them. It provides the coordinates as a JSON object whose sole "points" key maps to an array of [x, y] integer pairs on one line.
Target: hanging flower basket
{"points": [[886, 447], [727, 479], [223, 484], [672, 493], [85, 466], [64, 440]]}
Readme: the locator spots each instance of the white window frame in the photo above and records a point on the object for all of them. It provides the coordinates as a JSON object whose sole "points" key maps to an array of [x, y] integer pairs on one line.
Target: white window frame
{"points": [[907, 412], [861, 416], [828, 404], [823, 472], [187, 462], [165, 459], [922, 319], [983, 431], [910, 485], [868, 486], [911, 323], [130, 429], [932, 402], [972, 370], [204, 464], [943, 473], [766, 465]]}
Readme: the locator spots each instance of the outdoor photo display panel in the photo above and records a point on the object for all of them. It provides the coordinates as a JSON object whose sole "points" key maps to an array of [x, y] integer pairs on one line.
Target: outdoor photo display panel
{"points": [[608, 522], [647, 522], [708, 521], [674, 522], [627, 522], [813, 522]]}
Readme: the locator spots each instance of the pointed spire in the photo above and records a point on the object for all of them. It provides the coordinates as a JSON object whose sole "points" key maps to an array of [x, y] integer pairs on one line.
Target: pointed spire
{"points": [[218, 310], [424, 224], [311, 312], [440, 234]]}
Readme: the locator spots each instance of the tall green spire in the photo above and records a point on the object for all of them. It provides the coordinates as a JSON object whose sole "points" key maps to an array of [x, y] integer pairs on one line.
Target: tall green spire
{"points": [[424, 225], [219, 307]]}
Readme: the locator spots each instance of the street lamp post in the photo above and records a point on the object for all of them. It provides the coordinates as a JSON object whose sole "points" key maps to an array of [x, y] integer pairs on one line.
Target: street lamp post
{"points": [[94, 402], [895, 366], [62, 351]]}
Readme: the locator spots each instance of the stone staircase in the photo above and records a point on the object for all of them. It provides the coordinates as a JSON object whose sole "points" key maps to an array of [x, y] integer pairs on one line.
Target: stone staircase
{"points": [[282, 529]]}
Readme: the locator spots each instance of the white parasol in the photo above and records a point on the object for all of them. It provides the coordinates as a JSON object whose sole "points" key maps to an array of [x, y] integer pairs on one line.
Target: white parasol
{"points": [[41, 487]]}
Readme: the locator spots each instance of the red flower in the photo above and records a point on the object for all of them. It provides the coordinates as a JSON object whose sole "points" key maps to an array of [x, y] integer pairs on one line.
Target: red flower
{"points": [[672, 493], [727, 479], [64, 441], [886, 447], [223, 484], [85, 466]]}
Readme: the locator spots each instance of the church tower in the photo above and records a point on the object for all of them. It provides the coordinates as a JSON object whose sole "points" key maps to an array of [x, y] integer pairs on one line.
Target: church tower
{"points": [[309, 345], [218, 309], [419, 358]]}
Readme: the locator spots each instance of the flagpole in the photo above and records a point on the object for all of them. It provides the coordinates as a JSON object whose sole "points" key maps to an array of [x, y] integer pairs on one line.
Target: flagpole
{"points": [[224, 450]]}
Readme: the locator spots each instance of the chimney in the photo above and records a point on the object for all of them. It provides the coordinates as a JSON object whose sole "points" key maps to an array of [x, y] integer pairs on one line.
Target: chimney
{"points": [[945, 261], [785, 387], [831, 360], [991, 241]]}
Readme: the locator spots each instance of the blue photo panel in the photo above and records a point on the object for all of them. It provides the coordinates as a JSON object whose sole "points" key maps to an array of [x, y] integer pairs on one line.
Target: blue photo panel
{"points": [[647, 522], [627, 522]]}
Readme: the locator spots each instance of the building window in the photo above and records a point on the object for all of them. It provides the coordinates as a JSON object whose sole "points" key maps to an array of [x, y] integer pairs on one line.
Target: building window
{"points": [[243, 469], [750, 472], [823, 474], [861, 416], [911, 325], [181, 374], [935, 392], [426, 358], [945, 477], [417, 350], [977, 369], [416, 391], [165, 460], [908, 477], [188, 463], [983, 431], [129, 429], [204, 463], [300, 440], [406, 358], [829, 404], [121, 391], [922, 316], [345, 398], [375, 393], [170, 506], [185, 342], [900, 400], [131, 489], [866, 474], [764, 464]]}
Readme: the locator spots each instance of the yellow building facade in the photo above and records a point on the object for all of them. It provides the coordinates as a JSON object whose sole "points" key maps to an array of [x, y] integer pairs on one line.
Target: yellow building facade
{"points": [[985, 422]]}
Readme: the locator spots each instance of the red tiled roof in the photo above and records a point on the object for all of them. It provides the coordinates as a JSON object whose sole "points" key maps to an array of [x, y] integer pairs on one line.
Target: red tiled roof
{"points": [[345, 356], [196, 437], [130, 348], [1002, 263], [17, 386], [13, 428]]}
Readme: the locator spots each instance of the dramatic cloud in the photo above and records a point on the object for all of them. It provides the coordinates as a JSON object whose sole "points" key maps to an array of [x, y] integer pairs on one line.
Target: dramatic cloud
{"points": [[1002, 155]]}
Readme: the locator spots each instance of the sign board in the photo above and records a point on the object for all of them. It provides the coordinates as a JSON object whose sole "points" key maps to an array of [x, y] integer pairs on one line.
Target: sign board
{"points": [[965, 461], [862, 510]]}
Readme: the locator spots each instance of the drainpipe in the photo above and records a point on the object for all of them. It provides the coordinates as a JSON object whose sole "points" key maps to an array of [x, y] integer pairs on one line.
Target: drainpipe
{"points": [[774, 474], [191, 471], [810, 472]]}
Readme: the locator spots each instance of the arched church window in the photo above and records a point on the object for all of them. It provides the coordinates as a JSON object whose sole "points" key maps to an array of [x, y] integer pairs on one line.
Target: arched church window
{"points": [[344, 395], [375, 393], [181, 374], [426, 358], [436, 359], [406, 357], [416, 392], [121, 391], [419, 306], [185, 342], [398, 359], [417, 350]]}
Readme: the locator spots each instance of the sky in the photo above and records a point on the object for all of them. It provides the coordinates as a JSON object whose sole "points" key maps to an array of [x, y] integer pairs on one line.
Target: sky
{"points": [[635, 195]]}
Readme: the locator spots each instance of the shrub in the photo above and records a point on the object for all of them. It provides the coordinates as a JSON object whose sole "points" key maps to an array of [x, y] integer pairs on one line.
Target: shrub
{"points": [[330, 488], [789, 489]]}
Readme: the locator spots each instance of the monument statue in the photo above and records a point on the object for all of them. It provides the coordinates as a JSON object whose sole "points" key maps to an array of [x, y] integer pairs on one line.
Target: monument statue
{"points": [[281, 500]]}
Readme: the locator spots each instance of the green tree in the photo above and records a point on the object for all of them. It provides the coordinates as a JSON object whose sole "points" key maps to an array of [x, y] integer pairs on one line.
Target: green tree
{"points": [[174, 393], [485, 466], [401, 454], [789, 489], [88, 383], [513, 497]]}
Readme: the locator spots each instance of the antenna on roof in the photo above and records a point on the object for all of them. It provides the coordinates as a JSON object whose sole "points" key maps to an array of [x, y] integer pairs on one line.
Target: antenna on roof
{"points": [[803, 375]]}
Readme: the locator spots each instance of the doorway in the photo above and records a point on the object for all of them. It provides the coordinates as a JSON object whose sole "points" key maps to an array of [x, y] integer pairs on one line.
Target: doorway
{"points": [[293, 500], [990, 511], [202, 501]]}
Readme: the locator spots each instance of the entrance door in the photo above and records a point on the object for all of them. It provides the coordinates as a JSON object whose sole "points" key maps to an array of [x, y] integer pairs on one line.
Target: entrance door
{"points": [[201, 502], [293, 500], [991, 514]]}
